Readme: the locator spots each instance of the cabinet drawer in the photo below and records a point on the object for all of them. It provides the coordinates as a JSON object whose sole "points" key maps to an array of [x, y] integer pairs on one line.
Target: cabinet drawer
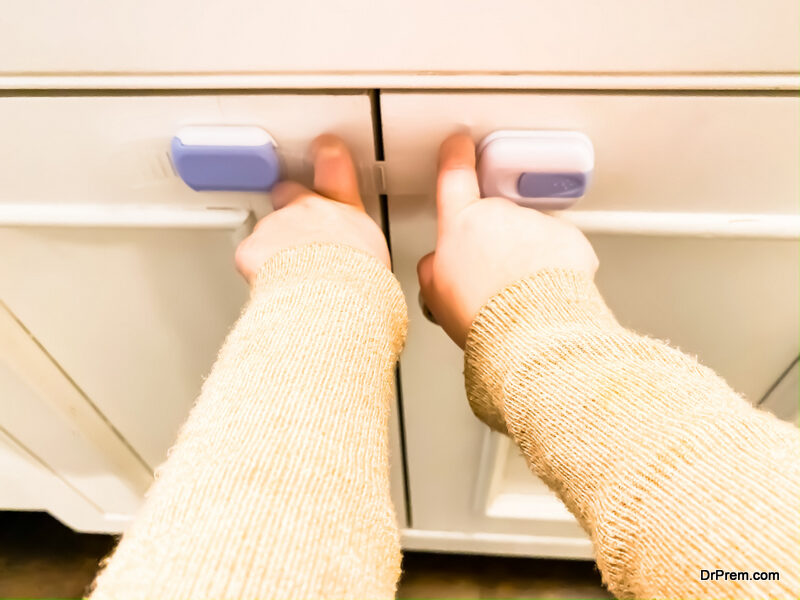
{"points": [[671, 153], [731, 301], [134, 316], [114, 150], [449, 36]]}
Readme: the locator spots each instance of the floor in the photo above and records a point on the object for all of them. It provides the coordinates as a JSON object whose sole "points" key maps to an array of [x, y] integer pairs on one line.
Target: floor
{"points": [[40, 558]]}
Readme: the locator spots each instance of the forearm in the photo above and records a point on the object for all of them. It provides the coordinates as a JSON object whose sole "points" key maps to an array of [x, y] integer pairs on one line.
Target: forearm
{"points": [[668, 470], [278, 484]]}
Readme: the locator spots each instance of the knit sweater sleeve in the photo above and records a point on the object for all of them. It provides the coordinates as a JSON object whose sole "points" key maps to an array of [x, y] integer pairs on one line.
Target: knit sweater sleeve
{"points": [[667, 469], [278, 484]]}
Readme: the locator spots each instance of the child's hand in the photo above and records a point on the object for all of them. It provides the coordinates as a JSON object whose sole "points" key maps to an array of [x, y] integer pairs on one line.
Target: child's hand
{"points": [[333, 212], [487, 244]]}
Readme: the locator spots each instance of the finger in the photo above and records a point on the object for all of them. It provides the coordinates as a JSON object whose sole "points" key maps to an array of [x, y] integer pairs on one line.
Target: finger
{"points": [[433, 307], [425, 276], [242, 259], [457, 184], [428, 298], [334, 173], [286, 192]]}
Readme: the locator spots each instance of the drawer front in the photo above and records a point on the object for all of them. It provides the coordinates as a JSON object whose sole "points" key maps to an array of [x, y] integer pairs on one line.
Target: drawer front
{"points": [[135, 315], [114, 150], [508, 36], [733, 302], [672, 153]]}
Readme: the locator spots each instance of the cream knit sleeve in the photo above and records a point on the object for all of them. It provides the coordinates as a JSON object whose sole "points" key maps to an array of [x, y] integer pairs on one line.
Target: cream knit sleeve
{"points": [[668, 470], [278, 484]]}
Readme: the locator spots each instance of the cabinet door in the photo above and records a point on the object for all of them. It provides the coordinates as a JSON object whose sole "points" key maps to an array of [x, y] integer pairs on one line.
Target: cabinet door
{"points": [[134, 316], [30, 485], [57, 440], [672, 165]]}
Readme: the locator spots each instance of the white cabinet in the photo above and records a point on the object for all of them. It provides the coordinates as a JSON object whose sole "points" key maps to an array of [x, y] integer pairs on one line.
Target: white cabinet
{"points": [[677, 162], [112, 308], [124, 320]]}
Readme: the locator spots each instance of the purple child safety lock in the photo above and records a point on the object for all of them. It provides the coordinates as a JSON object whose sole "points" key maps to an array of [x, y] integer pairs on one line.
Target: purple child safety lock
{"points": [[237, 158]]}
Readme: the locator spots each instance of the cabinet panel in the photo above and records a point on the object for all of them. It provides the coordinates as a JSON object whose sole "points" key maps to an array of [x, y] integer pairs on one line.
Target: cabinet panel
{"points": [[507, 36], [30, 485], [135, 315], [44, 412], [733, 302]]}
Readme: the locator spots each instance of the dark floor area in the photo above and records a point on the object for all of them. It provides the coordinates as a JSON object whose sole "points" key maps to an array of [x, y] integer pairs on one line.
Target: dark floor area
{"points": [[40, 558], [427, 575]]}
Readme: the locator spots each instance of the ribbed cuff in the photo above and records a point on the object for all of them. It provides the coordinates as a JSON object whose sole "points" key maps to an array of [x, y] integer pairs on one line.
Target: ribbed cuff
{"points": [[511, 323], [341, 264]]}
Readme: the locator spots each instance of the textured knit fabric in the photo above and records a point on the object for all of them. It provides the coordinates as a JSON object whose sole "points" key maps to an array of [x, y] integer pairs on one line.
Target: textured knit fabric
{"points": [[667, 469], [278, 484]]}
